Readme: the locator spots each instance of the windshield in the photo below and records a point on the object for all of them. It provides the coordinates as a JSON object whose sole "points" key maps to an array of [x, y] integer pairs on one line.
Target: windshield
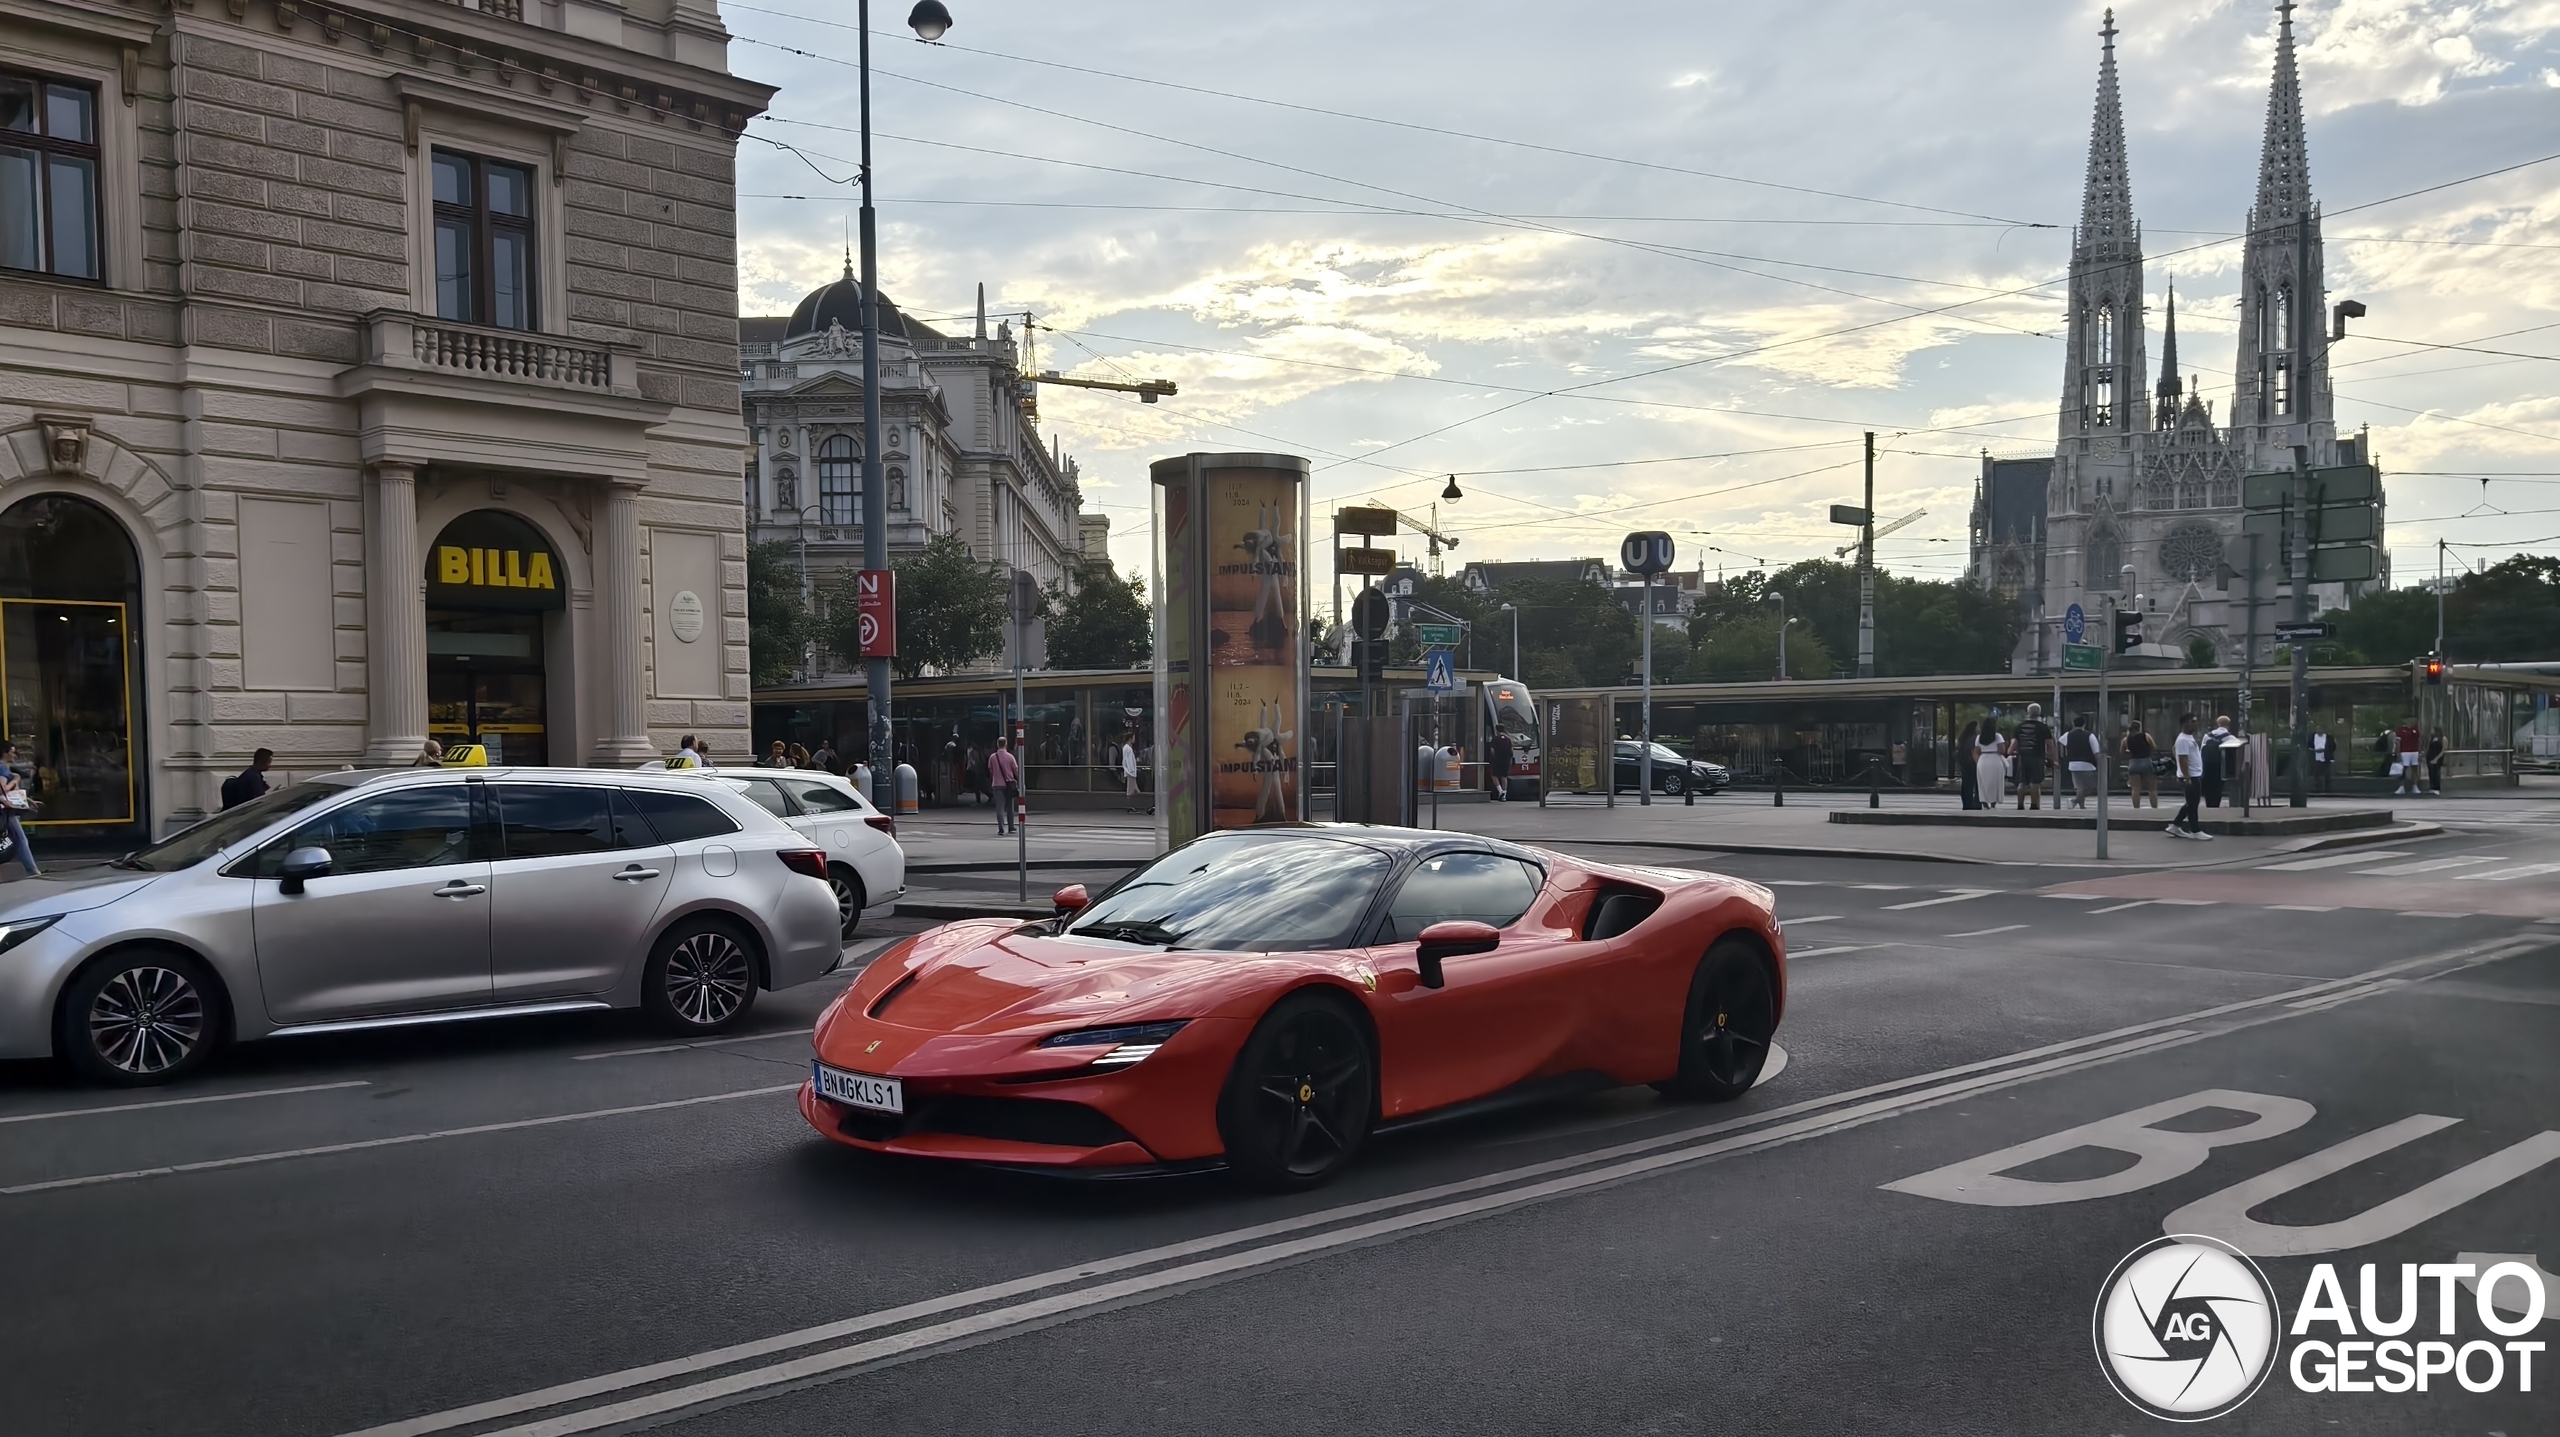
{"points": [[1264, 892], [190, 846]]}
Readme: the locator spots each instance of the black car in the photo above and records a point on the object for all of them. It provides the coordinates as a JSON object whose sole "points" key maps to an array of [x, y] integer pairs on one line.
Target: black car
{"points": [[1672, 774]]}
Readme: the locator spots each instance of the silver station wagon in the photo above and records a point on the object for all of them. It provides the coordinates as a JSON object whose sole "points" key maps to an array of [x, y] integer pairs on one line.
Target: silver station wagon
{"points": [[407, 896]]}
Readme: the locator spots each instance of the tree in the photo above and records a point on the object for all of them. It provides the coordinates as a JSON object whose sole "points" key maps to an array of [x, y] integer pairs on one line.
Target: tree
{"points": [[2506, 613], [2200, 652], [779, 625], [1104, 624], [1745, 650], [951, 611], [1571, 634]]}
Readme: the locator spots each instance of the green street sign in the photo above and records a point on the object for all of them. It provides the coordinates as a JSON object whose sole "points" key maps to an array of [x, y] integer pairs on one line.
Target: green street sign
{"points": [[2339, 484], [1436, 636], [2082, 656], [2343, 564]]}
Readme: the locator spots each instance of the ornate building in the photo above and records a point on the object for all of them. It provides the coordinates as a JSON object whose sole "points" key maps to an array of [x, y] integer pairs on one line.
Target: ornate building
{"points": [[961, 450], [2143, 475]]}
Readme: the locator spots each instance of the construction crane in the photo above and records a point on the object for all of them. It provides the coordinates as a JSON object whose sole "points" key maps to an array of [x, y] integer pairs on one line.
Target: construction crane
{"points": [[1915, 516], [1147, 390], [1431, 532]]}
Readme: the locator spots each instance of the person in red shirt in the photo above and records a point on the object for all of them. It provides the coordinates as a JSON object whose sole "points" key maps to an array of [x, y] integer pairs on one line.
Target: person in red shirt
{"points": [[2412, 768], [1004, 773]]}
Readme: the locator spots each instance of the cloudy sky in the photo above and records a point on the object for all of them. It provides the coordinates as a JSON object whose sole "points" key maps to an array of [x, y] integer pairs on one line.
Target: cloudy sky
{"points": [[1656, 265]]}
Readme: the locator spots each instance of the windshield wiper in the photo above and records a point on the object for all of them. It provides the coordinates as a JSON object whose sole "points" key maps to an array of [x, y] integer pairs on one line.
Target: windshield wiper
{"points": [[131, 862], [1140, 931]]}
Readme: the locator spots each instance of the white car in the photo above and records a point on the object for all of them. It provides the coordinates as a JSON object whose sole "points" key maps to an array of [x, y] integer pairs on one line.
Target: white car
{"points": [[865, 865]]}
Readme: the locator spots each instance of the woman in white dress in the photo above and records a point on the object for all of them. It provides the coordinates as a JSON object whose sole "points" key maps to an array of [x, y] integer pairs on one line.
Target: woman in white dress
{"points": [[1990, 765]]}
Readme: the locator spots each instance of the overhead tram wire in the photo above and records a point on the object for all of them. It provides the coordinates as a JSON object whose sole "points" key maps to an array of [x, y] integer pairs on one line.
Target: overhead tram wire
{"points": [[1345, 209], [2001, 220]]}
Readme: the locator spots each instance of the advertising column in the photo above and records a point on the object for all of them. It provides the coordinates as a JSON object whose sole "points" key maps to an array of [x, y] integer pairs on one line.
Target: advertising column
{"points": [[1231, 652]]}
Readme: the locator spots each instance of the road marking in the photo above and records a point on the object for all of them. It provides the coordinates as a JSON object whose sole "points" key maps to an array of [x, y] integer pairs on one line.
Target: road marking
{"points": [[2501, 875], [2423, 865], [2333, 860], [1966, 895], [2075, 897], [683, 1047], [2119, 908], [1794, 883], [2302, 908], [2332, 1000], [2051, 1058], [1880, 887], [2429, 913], [327, 1149], [1987, 932], [1816, 918], [1836, 948], [2187, 902], [182, 1102]]}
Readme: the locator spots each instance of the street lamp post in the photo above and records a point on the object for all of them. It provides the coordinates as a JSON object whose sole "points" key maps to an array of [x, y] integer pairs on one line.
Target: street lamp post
{"points": [[930, 20], [1515, 639], [1779, 598]]}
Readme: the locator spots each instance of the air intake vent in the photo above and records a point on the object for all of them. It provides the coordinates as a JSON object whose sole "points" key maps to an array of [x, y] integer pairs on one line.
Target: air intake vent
{"points": [[1617, 911]]}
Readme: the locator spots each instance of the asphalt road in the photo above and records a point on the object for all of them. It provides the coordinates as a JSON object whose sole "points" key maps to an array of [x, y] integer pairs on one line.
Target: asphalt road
{"points": [[564, 1226]]}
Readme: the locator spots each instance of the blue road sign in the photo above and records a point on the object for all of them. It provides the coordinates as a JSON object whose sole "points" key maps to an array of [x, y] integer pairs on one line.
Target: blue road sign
{"points": [[1439, 674], [2075, 624]]}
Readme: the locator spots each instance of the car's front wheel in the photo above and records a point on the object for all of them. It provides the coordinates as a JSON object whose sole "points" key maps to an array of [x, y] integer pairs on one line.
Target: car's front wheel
{"points": [[850, 898], [1727, 1025], [701, 978], [145, 1015], [1300, 1099], [1673, 784]]}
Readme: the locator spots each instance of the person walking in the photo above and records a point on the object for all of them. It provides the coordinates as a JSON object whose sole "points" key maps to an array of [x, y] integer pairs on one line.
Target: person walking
{"points": [[1129, 768], [16, 802], [2216, 763], [250, 782], [2080, 752], [430, 755], [2190, 752], [1005, 773], [2324, 761], [1990, 765], [1497, 765], [2411, 746], [2141, 755], [2031, 746], [1960, 748], [2435, 763]]}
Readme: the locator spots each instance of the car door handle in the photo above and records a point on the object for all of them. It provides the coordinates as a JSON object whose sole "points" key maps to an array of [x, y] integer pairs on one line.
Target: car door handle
{"points": [[635, 874], [459, 889]]}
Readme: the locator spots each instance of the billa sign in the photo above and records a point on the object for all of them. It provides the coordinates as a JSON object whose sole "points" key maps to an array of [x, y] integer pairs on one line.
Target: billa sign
{"points": [[489, 559], [875, 595]]}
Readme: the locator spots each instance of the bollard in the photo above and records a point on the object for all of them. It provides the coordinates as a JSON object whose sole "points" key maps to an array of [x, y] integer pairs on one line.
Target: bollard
{"points": [[906, 788], [1689, 794], [1778, 785], [1875, 797]]}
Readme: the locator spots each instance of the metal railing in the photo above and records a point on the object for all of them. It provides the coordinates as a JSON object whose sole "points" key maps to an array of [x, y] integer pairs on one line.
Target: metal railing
{"points": [[501, 9], [513, 355]]}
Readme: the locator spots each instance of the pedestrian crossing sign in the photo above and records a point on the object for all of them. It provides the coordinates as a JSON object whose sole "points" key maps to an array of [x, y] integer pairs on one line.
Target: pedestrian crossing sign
{"points": [[1439, 673]]}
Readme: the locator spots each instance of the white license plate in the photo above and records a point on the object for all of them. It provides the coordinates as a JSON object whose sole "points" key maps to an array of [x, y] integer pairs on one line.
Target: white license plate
{"points": [[860, 1090]]}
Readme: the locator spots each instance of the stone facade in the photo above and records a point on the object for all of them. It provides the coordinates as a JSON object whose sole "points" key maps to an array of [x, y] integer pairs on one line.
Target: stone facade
{"points": [[271, 407], [2145, 476]]}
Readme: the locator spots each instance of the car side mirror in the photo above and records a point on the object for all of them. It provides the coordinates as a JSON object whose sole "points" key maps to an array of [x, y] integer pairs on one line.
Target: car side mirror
{"points": [[1071, 899], [301, 865], [1452, 938]]}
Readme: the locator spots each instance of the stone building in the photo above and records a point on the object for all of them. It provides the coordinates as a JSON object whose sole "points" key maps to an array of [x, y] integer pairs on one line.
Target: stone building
{"points": [[961, 449], [367, 372], [2146, 475]]}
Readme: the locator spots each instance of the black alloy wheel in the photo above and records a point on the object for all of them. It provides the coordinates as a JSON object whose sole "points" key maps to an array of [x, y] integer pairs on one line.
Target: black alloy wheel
{"points": [[1673, 784], [850, 898], [1732, 1014], [143, 1016], [1301, 1097], [701, 978]]}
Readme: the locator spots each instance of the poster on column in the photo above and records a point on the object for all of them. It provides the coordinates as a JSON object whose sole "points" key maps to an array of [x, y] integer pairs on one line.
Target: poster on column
{"points": [[1251, 529], [1177, 601]]}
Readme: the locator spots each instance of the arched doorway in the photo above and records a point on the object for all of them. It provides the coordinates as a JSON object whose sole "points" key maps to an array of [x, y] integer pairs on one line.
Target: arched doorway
{"points": [[70, 664], [495, 594]]}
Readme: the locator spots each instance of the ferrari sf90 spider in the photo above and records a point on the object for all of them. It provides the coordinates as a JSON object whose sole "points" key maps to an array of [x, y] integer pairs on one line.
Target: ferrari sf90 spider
{"points": [[1266, 998]]}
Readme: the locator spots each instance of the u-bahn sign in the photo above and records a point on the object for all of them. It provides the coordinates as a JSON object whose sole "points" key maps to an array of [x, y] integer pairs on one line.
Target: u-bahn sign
{"points": [[1646, 552]]}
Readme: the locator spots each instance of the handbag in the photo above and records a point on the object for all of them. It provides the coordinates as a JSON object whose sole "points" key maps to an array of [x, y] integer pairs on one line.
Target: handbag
{"points": [[14, 798]]}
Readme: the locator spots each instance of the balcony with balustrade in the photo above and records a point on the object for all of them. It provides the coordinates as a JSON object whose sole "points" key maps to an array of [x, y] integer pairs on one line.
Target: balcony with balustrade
{"points": [[432, 391]]}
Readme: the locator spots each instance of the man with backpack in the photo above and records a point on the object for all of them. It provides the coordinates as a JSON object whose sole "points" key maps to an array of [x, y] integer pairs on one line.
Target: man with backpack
{"points": [[2080, 751]]}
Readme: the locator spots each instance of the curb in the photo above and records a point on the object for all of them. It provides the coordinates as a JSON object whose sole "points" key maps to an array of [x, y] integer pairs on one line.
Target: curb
{"points": [[2350, 820], [2363, 838], [1769, 850]]}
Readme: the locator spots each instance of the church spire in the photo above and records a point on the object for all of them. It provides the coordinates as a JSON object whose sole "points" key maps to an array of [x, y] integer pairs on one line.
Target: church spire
{"points": [[2106, 201], [2105, 381], [2281, 398], [2284, 166], [2170, 386]]}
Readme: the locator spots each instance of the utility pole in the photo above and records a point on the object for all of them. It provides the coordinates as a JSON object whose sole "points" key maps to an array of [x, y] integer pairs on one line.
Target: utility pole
{"points": [[1867, 572], [2305, 331], [875, 497], [1644, 764]]}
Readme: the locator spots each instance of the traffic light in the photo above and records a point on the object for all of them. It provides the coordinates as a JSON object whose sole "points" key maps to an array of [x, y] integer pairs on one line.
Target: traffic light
{"points": [[2128, 630], [2435, 671]]}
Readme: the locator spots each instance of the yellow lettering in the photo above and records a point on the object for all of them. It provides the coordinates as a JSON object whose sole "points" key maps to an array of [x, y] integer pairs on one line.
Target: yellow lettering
{"points": [[475, 567], [452, 565], [515, 580], [538, 571]]}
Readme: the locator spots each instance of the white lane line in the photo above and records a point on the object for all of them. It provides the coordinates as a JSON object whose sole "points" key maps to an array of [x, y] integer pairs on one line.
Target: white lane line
{"points": [[2187, 902], [2332, 860], [182, 1102], [2119, 908], [1171, 1280], [2302, 908], [2430, 913], [326, 1149], [2075, 897], [1880, 887], [2501, 875], [1794, 883], [2332, 1000], [1816, 918], [801, 1033], [1987, 932], [1836, 948], [1965, 895], [2424, 865]]}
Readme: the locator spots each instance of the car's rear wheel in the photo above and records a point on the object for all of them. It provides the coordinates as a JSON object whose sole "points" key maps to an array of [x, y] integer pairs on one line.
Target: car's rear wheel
{"points": [[850, 897], [1725, 1029], [145, 1015], [1300, 1099], [701, 977]]}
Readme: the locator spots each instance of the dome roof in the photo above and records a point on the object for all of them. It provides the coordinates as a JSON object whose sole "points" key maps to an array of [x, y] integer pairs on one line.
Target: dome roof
{"points": [[840, 303]]}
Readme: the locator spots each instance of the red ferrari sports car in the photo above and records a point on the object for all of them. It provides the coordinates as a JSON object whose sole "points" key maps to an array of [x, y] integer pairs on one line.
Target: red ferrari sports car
{"points": [[1265, 998]]}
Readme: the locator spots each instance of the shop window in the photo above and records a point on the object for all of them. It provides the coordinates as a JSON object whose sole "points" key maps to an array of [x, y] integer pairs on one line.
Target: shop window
{"points": [[48, 176], [69, 597], [484, 241]]}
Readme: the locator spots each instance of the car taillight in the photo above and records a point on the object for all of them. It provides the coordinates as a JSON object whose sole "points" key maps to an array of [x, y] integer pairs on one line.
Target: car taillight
{"points": [[882, 822], [811, 861]]}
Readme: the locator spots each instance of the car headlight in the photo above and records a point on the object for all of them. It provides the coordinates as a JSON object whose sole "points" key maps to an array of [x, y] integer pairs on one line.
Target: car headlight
{"points": [[18, 930], [1130, 1044]]}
